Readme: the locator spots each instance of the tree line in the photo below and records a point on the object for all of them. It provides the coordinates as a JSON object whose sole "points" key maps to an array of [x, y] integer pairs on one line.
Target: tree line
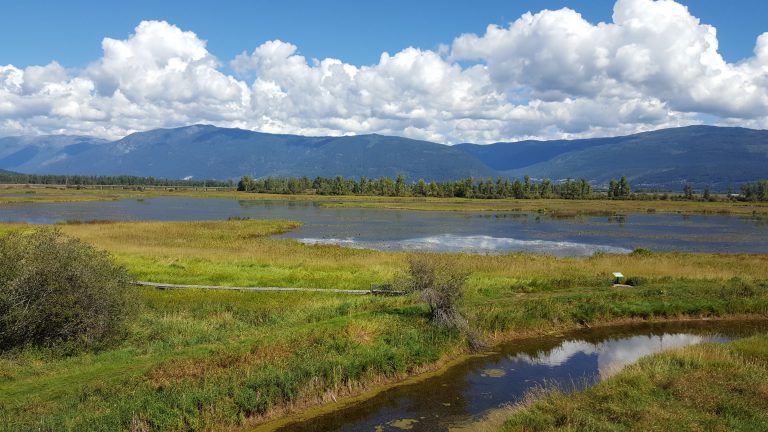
{"points": [[7, 177], [757, 191], [465, 188]]}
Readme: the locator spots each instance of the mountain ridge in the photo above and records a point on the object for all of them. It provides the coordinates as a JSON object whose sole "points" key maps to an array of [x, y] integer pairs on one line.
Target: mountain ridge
{"points": [[665, 158]]}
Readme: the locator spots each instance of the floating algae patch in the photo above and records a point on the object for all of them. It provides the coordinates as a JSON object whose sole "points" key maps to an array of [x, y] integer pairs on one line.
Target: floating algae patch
{"points": [[403, 424], [493, 373]]}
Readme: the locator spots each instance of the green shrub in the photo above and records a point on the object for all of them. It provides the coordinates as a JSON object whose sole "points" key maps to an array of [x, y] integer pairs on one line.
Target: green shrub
{"points": [[641, 252], [57, 290]]}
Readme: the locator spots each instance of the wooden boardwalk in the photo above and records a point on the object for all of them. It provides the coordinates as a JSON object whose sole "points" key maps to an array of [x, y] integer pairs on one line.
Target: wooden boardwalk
{"points": [[269, 289]]}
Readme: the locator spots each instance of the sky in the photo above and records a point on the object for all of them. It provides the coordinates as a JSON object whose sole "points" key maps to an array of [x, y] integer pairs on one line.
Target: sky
{"points": [[445, 71]]}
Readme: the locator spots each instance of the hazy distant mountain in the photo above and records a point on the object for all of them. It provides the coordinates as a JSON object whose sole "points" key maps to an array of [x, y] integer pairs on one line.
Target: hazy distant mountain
{"points": [[217, 153], [663, 159], [667, 158], [35, 154]]}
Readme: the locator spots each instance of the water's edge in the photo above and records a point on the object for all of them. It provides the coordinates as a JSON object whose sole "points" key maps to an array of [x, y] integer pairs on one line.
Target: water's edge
{"points": [[304, 411]]}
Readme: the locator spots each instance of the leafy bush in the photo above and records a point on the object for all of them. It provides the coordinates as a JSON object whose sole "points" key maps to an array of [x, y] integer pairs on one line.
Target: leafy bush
{"points": [[57, 290], [641, 252]]}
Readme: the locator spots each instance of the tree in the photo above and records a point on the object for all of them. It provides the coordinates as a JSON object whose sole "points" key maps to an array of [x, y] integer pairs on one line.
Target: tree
{"points": [[612, 188], [624, 189], [526, 186], [546, 188], [244, 184], [421, 188], [688, 191]]}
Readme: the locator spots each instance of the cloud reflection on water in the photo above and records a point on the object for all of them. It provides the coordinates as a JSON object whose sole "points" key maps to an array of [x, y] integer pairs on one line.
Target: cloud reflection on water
{"points": [[613, 354], [472, 243]]}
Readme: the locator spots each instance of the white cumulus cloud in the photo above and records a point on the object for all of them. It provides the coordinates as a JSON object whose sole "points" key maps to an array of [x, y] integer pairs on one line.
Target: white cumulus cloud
{"points": [[550, 74]]}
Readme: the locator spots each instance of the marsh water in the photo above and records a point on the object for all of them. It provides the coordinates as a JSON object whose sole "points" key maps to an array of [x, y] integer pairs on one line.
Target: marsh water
{"points": [[467, 391], [481, 232]]}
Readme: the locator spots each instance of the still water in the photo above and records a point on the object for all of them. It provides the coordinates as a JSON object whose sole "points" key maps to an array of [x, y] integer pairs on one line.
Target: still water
{"points": [[481, 232], [466, 391]]}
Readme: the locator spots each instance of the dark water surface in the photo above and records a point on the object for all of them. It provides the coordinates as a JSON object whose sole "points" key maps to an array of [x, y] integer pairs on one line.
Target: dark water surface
{"points": [[483, 232], [468, 390]]}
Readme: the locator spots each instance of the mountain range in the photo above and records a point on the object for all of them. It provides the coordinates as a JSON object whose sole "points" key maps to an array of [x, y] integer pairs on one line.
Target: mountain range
{"points": [[663, 159]]}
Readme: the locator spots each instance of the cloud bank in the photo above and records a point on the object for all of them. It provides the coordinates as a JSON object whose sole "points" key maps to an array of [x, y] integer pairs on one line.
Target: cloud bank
{"points": [[551, 74]]}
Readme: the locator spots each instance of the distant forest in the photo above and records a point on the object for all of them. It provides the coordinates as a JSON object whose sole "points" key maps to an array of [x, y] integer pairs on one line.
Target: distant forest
{"points": [[466, 188], [385, 186], [757, 191], [7, 177], [488, 189]]}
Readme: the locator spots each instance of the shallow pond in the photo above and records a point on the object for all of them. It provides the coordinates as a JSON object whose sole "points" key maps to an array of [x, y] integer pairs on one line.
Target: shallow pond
{"points": [[483, 232], [470, 389]]}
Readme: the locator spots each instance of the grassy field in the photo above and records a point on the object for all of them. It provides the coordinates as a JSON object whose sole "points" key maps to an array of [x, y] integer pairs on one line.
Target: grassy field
{"points": [[202, 360], [556, 207], [706, 387]]}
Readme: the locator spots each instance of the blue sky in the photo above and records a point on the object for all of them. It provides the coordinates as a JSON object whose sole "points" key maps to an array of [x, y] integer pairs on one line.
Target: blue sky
{"points": [[445, 71], [70, 32]]}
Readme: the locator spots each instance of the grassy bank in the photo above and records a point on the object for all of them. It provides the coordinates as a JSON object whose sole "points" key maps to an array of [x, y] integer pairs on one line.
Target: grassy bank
{"points": [[20, 195], [555, 207], [197, 360], [707, 387]]}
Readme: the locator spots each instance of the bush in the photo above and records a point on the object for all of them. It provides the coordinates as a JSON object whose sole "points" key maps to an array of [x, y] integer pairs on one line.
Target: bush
{"points": [[57, 290], [440, 285], [641, 252]]}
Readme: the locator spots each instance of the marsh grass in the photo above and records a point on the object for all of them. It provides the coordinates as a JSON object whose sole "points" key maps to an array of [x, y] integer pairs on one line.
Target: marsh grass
{"points": [[240, 253], [203, 360]]}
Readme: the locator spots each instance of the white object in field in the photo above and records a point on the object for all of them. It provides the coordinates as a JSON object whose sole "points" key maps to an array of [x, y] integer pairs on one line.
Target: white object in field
{"points": [[618, 275]]}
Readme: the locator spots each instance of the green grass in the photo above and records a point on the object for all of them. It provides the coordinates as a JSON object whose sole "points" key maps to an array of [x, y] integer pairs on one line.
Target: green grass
{"points": [[707, 387], [201, 360], [239, 253], [210, 359]]}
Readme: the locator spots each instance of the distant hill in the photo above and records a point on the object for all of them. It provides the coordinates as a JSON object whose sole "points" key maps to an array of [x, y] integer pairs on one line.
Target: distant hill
{"points": [[664, 159], [217, 153], [667, 158], [34, 154]]}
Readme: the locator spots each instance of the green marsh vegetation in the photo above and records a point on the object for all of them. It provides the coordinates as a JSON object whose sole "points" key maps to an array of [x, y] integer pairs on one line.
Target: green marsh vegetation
{"points": [[195, 359]]}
